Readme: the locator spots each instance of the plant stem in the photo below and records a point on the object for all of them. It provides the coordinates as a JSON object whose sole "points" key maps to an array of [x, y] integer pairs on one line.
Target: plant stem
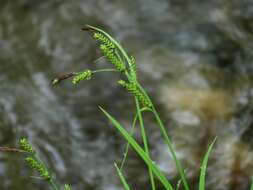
{"points": [[131, 132], [127, 146], [104, 70], [145, 141], [167, 140], [53, 184]]}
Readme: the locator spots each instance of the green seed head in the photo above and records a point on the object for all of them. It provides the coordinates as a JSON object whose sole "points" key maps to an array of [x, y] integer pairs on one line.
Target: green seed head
{"points": [[26, 146], [111, 57], [133, 89], [37, 166], [104, 40], [85, 75]]}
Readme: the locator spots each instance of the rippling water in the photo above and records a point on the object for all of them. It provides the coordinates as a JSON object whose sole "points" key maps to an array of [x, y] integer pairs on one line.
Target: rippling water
{"points": [[194, 57]]}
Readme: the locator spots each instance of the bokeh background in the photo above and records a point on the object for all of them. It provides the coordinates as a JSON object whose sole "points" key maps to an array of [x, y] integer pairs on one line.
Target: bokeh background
{"points": [[194, 58]]}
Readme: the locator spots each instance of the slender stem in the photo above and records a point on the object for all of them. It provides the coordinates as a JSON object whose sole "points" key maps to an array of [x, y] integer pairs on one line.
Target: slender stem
{"points": [[105, 70], [131, 132], [127, 146], [145, 141], [167, 140], [53, 184]]}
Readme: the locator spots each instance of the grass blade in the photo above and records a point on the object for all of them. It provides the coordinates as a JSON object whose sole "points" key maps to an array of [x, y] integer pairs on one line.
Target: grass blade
{"points": [[122, 178], [204, 166], [140, 151]]}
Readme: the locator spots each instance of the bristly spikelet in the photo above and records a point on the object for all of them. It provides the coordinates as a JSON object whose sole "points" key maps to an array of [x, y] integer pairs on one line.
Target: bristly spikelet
{"points": [[85, 75], [104, 40], [133, 69], [110, 55], [132, 88], [25, 145], [37, 166]]}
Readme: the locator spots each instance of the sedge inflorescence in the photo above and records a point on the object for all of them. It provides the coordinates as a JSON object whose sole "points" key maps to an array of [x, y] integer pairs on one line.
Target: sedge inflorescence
{"points": [[32, 160], [133, 68], [109, 50], [112, 57], [39, 167], [133, 89], [25, 146], [104, 40], [119, 59], [85, 75]]}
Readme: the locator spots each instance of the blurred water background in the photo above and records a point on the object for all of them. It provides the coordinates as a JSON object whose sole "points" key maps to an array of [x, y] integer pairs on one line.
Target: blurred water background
{"points": [[194, 58]]}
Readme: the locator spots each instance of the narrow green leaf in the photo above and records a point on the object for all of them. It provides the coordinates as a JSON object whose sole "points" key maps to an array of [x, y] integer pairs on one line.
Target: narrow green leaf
{"points": [[122, 178], [140, 151], [204, 166]]}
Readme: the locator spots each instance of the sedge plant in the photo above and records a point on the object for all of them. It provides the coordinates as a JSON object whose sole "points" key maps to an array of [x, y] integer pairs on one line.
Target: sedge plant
{"points": [[126, 66]]}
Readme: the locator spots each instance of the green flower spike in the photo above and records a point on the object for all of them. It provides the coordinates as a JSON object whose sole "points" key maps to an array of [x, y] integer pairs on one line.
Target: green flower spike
{"points": [[25, 145], [110, 55], [37, 166], [133, 69], [104, 40], [133, 89], [85, 75]]}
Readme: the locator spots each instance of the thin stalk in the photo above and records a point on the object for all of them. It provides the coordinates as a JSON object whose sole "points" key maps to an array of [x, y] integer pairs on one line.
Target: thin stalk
{"points": [[128, 145], [53, 184], [167, 140], [122, 178], [105, 70], [131, 132], [145, 141], [170, 146]]}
